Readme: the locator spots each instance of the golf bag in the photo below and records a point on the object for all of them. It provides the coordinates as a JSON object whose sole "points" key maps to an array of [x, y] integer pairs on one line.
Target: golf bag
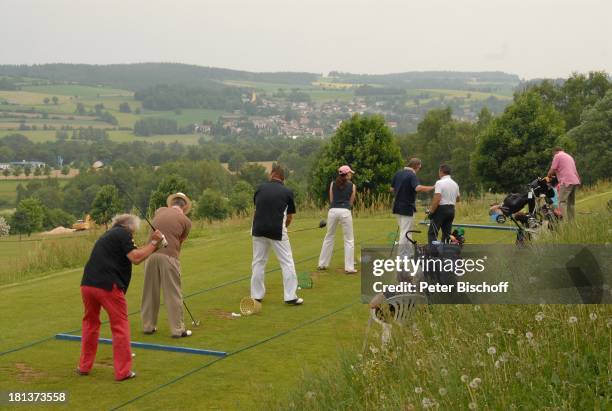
{"points": [[436, 257]]}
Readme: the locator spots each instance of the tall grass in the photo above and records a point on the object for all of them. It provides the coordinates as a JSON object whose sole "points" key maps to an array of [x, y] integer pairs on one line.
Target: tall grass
{"points": [[46, 256], [471, 357]]}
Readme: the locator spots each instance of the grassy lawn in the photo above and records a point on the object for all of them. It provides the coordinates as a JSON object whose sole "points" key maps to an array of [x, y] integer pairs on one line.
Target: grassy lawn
{"points": [[187, 116], [127, 136], [270, 352], [8, 191], [85, 92]]}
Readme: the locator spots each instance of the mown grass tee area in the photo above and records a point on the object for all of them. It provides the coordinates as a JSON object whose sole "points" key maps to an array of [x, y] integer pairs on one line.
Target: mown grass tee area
{"points": [[309, 357]]}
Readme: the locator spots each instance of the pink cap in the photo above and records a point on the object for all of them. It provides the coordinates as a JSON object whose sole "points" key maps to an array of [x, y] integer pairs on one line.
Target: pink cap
{"points": [[345, 170]]}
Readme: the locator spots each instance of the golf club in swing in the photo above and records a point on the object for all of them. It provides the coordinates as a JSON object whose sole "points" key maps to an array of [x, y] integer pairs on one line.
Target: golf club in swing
{"points": [[194, 322], [322, 224], [164, 242]]}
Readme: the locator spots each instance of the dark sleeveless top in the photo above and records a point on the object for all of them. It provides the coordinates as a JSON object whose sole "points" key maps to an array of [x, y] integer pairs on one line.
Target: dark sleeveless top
{"points": [[342, 196]]}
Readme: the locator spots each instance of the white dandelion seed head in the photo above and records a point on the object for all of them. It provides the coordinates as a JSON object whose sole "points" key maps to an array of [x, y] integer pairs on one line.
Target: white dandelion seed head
{"points": [[419, 362], [572, 320], [464, 378], [373, 349], [472, 406], [418, 390], [481, 363], [442, 391], [427, 403], [489, 335], [473, 385], [491, 350], [310, 395], [593, 316], [444, 372], [510, 331], [477, 380], [539, 316], [497, 364], [529, 335], [609, 323], [519, 374]]}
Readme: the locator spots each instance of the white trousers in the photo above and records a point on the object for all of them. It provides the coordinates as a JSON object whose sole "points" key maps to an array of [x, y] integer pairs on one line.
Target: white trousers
{"points": [[282, 249], [344, 217], [405, 223]]}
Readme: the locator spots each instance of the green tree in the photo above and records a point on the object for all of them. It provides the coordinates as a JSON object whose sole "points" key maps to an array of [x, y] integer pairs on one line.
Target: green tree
{"points": [[6, 172], [125, 108], [106, 205], [236, 161], [28, 216], [593, 141], [55, 100], [212, 206], [17, 171], [241, 198], [254, 174], [27, 170], [367, 145], [37, 171], [55, 217], [65, 170], [516, 147], [46, 100], [169, 185]]}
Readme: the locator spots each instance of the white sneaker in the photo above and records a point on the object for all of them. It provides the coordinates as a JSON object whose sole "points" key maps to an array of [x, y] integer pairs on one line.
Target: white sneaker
{"points": [[297, 301]]}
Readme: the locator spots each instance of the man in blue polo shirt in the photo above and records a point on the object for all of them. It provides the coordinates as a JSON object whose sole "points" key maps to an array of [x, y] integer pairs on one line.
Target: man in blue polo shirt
{"points": [[404, 186], [274, 209]]}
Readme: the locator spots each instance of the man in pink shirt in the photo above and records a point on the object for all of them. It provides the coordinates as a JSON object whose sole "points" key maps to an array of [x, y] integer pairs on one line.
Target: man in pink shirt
{"points": [[564, 167]]}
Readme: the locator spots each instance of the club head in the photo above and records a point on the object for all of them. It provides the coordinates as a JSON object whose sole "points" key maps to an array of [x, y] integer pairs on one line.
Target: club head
{"points": [[322, 223]]}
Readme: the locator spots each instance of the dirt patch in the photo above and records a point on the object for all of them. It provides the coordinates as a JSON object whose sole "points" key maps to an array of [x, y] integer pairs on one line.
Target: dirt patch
{"points": [[222, 314], [24, 373]]}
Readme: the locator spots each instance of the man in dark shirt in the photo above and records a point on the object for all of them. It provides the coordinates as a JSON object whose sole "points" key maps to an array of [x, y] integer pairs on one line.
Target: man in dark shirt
{"points": [[106, 279], [274, 209], [404, 186]]}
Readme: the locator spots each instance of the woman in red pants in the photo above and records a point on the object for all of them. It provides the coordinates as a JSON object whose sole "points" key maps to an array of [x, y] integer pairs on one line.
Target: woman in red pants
{"points": [[105, 281]]}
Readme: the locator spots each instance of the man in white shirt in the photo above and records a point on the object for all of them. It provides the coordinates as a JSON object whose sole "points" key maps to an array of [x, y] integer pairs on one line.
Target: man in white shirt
{"points": [[442, 209]]}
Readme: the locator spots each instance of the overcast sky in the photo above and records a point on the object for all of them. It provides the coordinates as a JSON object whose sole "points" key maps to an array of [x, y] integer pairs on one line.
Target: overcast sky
{"points": [[532, 38]]}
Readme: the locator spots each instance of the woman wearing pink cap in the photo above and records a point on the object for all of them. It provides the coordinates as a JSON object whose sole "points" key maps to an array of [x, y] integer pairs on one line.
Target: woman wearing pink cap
{"points": [[341, 198]]}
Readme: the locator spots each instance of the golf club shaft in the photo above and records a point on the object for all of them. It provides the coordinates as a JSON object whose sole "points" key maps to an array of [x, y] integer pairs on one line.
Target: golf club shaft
{"points": [[192, 319], [143, 215]]}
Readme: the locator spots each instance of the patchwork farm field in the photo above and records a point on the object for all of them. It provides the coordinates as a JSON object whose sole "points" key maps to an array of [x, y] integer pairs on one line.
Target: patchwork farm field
{"points": [[278, 354]]}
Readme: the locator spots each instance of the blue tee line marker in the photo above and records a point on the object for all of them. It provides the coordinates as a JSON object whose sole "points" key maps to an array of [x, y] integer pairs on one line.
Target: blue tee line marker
{"points": [[147, 346]]}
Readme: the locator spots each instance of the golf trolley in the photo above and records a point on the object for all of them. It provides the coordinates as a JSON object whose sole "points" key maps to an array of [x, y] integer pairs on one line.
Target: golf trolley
{"points": [[541, 213]]}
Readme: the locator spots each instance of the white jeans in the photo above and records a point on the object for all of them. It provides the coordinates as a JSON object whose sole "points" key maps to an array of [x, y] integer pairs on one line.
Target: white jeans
{"points": [[344, 217], [282, 249], [405, 223]]}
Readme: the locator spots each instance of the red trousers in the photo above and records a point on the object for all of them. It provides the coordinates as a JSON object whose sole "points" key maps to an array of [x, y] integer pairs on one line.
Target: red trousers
{"points": [[115, 306]]}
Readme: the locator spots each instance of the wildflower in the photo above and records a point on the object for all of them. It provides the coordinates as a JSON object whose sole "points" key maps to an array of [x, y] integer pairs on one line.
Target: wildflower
{"points": [[444, 372], [472, 406], [519, 375], [477, 380], [418, 390], [510, 331], [310, 395], [529, 335], [609, 323], [497, 364], [539, 316], [373, 349], [464, 378], [419, 362], [476, 308], [442, 391], [473, 385], [491, 350], [572, 320], [428, 402], [593, 316], [489, 335]]}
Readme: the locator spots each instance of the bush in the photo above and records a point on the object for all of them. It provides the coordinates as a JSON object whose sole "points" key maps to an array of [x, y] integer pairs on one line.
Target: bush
{"points": [[212, 206], [56, 217]]}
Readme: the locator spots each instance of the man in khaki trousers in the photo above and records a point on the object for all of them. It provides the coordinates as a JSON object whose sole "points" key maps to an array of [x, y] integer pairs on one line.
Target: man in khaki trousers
{"points": [[163, 268]]}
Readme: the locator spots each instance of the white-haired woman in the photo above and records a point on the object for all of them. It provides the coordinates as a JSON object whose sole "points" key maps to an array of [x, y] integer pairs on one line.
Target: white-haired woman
{"points": [[341, 199], [106, 278]]}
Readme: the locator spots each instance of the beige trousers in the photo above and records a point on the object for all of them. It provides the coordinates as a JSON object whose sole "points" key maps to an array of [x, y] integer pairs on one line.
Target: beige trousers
{"points": [[567, 200], [165, 272]]}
